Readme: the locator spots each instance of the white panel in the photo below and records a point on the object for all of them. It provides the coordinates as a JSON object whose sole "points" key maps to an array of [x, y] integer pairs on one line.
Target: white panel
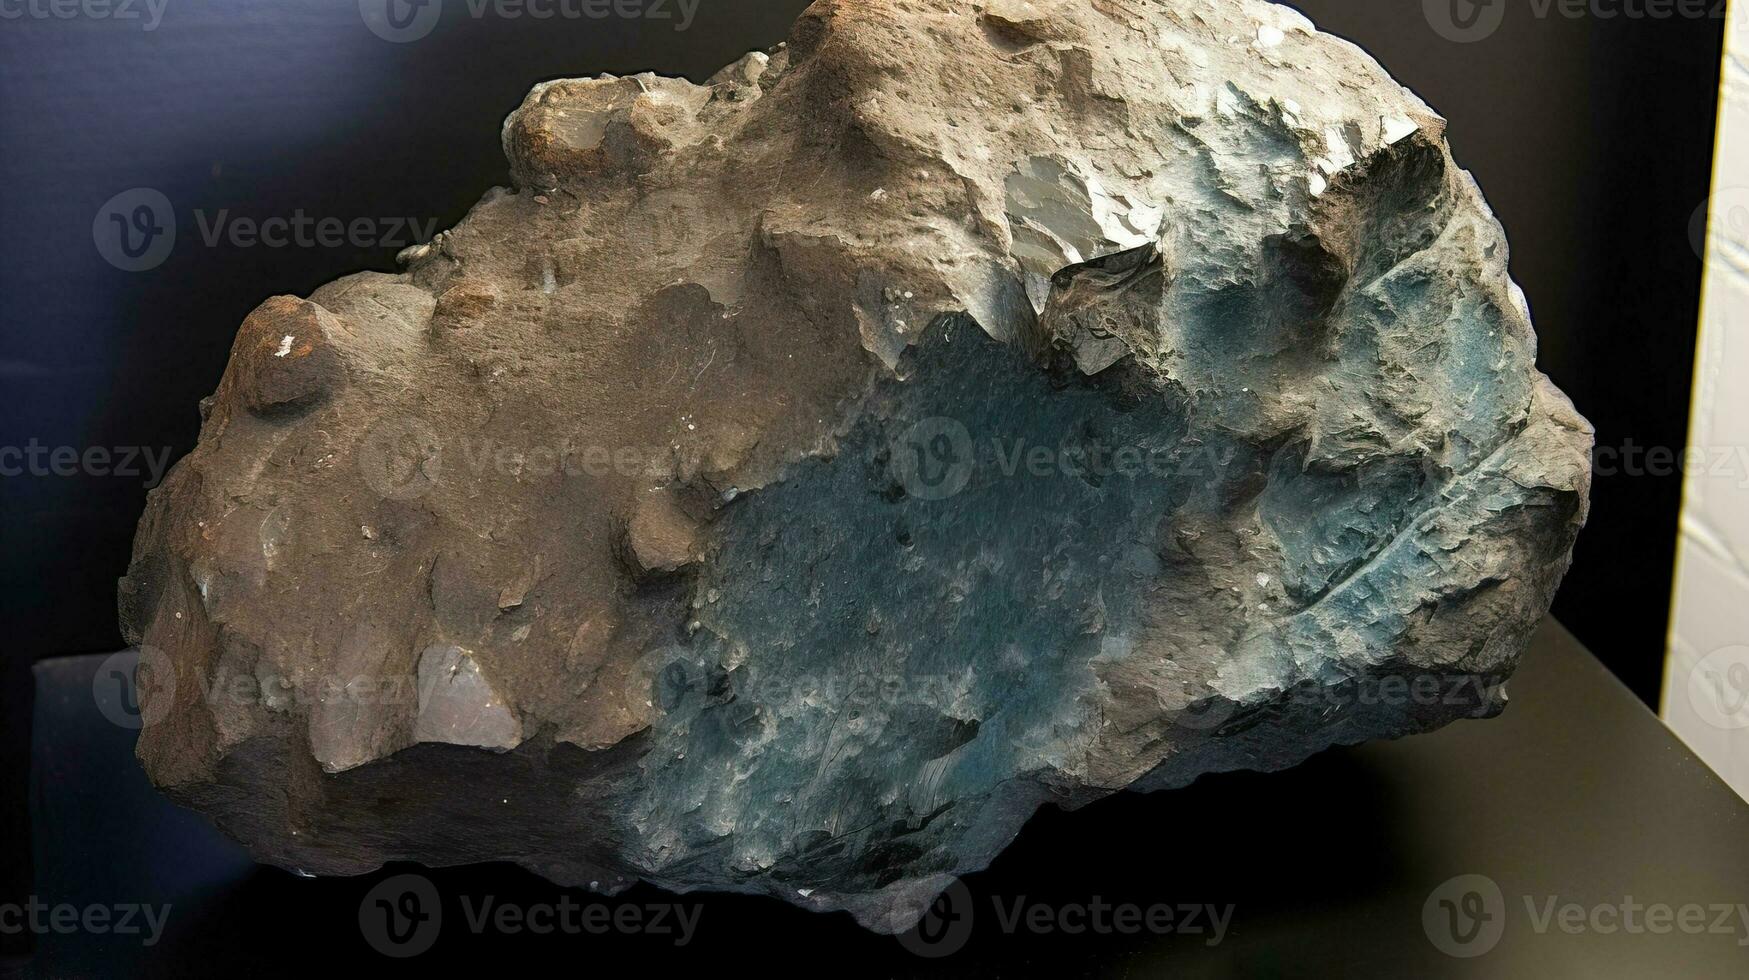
{"points": [[1706, 681]]}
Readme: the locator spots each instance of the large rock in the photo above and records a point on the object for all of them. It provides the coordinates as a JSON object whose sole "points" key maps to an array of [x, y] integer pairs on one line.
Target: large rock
{"points": [[798, 479]]}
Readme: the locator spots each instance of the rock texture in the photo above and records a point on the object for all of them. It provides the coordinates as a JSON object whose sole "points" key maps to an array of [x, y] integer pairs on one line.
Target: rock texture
{"points": [[797, 479]]}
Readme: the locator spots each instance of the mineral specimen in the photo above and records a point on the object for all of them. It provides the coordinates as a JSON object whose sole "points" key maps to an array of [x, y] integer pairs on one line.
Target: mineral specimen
{"points": [[795, 480]]}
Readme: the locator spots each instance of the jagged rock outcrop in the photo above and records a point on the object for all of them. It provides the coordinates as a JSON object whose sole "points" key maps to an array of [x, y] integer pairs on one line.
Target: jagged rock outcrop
{"points": [[797, 479]]}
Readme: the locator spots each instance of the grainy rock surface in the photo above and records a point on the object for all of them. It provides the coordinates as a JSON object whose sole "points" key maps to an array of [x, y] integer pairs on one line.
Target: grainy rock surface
{"points": [[797, 479]]}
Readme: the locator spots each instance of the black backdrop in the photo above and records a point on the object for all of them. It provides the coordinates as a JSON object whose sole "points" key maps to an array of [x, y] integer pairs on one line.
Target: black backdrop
{"points": [[1591, 137]]}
